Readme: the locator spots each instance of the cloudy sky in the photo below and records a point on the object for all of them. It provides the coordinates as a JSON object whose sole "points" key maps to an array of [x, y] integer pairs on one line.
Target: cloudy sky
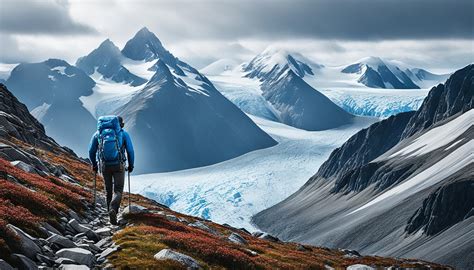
{"points": [[434, 34]]}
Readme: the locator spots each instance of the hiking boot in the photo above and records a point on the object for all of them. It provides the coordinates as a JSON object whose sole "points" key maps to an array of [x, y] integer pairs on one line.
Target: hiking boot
{"points": [[113, 217]]}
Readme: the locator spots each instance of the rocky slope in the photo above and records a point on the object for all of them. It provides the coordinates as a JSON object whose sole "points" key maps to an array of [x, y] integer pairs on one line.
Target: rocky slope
{"points": [[48, 219], [390, 189]]}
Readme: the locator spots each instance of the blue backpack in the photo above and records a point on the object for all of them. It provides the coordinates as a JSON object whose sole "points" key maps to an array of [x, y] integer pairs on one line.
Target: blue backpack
{"points": [[110, 140]]}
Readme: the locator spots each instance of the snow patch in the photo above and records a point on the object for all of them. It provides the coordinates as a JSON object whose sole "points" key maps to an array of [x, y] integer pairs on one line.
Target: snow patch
{"points": [[438, 136], [457, 160]]}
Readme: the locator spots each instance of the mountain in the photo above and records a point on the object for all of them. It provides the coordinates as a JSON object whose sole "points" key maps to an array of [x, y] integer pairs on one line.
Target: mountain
{"points": [[220, 66], [378, 73], [48, 218], [145, 46], [106, 60], [397, 188], [180, 122], [50, 89], [296, 102]]}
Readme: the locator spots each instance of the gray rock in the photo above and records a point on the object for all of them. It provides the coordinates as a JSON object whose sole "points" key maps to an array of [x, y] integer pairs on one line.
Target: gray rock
{"points": [[359, 267], [92, 235], [172, 218], [135, 209], [73, 267], [79, 255], [49, 261], [61, 241], [168, 254], [27, 242], [269, 237], [251, 252], [50, 229], [104, 242], [23, 166], [202, 226], [105, 231], [64, 261], [106, 253], [237, 238], [4, 265], [77, 227], [23, 262]]}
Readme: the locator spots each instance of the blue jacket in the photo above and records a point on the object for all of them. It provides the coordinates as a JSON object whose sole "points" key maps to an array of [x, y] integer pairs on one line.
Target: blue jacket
{"points": [[94, 145]]}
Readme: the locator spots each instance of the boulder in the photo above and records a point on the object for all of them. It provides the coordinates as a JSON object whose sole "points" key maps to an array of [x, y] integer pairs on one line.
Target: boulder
{"points": [[77, 227], [73, 267], [104, 242], [172, 218], [168, 254], [28, 246], [79, 255], [61, 241], [204, 227], [359, 267], [64, 261], [237, 238], [23, 166], [90, 234], [135, 209], [51, 230], [5, 266], [23, 262], [269, 237], [103, 232]]}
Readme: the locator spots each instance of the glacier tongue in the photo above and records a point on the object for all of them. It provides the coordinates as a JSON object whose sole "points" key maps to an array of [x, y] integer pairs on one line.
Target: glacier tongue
{"points": [[234, 190]]}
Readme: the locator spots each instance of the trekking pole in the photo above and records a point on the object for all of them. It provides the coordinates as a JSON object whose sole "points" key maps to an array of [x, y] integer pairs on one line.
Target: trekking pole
{"points": [[95, 187], [129, 205]]}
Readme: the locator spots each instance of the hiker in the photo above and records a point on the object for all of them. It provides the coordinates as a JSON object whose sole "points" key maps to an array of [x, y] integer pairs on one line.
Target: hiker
{"points": [[107, 147]]}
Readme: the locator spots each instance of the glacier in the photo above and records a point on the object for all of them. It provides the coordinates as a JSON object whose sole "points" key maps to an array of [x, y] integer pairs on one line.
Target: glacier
{"points": [[234, 190]]}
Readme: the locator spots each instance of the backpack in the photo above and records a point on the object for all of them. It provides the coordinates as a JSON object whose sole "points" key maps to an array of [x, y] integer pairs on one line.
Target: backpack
{"points": [[110, 138]]}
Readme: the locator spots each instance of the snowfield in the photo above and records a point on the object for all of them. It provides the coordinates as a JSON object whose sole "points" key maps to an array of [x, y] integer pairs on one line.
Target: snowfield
{"points": [[234, 190]]}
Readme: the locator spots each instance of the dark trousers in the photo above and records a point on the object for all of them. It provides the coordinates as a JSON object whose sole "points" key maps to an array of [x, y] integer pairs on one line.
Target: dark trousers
{"points": [[114, 178]]}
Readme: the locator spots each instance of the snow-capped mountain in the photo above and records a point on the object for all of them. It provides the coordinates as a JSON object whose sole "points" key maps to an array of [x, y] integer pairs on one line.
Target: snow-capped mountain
{"points": [[273, 61], [51, 90], [106, 60], [378, 73], [178, 119], [399, 187], [181, 122], [145, 46], [296, 103]]}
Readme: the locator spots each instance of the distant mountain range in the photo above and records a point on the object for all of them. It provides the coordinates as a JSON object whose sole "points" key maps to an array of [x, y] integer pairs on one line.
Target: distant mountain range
{"points": [[398, 188], [296, 102], [378, 73], [370, 87], [284, 87], [177, 118]]}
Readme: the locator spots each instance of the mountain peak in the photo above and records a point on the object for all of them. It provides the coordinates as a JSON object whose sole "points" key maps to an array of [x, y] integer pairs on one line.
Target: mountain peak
{"points": [[145, 46], [273, 60], [144, 31]]}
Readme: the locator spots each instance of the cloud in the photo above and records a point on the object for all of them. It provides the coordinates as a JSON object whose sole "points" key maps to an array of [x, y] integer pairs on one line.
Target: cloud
{"points": [[324, 19], [39, 17]]}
